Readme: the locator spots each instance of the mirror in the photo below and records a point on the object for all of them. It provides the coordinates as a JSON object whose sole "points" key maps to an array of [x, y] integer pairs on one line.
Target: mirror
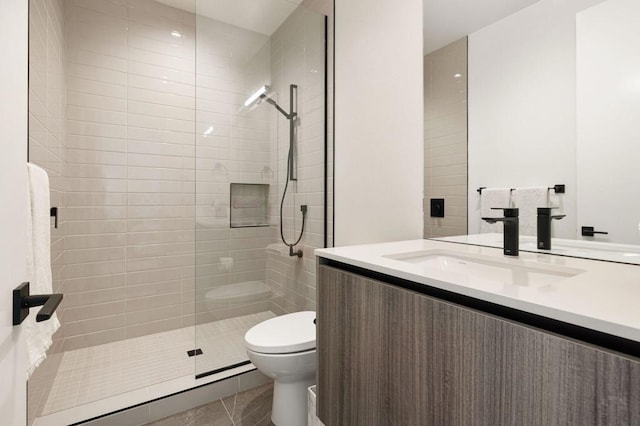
{"points": [[525, 95]]}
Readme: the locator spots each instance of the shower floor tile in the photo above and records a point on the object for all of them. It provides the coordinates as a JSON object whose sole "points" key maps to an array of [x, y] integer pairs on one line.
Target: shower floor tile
{"points": [[97, 372]]}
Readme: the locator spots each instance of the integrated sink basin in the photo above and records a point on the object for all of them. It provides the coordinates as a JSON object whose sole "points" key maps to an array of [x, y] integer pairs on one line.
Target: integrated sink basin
{"points": [[480, 270]]}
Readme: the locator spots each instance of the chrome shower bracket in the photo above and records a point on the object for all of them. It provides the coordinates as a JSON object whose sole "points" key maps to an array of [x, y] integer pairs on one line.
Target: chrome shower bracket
{"points": [[293, 132]]}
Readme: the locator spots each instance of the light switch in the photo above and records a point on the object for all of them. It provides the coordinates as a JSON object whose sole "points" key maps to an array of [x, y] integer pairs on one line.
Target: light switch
{"points": [[437, 207]]}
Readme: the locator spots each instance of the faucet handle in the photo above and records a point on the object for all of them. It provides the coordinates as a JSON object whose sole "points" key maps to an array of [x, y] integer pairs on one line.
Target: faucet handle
{"points": [[508, 211], [546, 211]]}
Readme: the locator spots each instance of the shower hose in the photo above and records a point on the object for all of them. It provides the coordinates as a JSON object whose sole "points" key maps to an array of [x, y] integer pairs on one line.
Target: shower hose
{"points": [[303, 208]]}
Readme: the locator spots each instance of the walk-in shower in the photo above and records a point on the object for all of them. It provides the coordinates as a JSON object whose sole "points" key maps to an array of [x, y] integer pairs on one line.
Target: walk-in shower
{"points": [[173, 196]]}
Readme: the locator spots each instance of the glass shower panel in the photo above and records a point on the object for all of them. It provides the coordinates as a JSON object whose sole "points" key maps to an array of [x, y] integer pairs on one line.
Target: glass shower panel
{"points": [[233, 178], [245, 65], [113, 103]]}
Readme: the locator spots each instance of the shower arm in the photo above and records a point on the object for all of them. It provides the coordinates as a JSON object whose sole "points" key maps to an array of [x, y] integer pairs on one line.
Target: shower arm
{"points": [[275, 104]]}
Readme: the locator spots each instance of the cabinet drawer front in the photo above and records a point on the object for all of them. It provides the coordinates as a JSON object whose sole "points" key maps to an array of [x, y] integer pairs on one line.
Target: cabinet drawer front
{"points": [[390, 356]]}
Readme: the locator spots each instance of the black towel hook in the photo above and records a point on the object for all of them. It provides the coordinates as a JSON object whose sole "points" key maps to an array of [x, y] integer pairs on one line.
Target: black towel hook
{"points": [[54, 213]]}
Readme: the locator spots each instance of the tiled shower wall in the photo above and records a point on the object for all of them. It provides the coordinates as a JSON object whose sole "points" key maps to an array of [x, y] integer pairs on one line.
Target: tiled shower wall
{"points": [[130, 123], [156, 132], [297, 57], [138, 117], [47, 97], [445, 138], [232, 146]]}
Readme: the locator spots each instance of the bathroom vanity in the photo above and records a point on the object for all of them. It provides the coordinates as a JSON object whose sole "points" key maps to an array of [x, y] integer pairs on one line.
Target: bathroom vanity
{"points": [[429, 332]]}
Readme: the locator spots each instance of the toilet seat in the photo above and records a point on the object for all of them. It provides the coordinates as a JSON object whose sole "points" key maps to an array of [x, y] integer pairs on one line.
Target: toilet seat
{"points": [[289, 333]]}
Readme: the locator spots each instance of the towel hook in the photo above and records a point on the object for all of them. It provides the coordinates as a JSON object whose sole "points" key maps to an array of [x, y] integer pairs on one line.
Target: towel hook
{"points": [[22, 301], [54, 213], [559, 189]]}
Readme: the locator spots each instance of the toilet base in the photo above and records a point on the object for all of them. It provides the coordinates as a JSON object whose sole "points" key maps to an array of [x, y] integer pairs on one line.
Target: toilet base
{"points": [[290, 403]]}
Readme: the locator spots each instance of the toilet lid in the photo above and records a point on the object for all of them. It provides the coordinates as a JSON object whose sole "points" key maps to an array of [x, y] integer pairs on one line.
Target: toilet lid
{"points": [[284, 334]]}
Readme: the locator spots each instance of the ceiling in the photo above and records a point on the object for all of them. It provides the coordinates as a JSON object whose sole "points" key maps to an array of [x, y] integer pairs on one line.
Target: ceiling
{"points": [[263, 16], [446, 21]]}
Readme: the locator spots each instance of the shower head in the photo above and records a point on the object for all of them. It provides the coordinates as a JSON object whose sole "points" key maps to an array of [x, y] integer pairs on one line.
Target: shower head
{"points": [[257, 96], [262, 94]]}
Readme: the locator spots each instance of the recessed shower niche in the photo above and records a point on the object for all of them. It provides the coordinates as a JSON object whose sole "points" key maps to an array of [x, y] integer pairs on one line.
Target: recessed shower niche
{"points": [[249, 205]]}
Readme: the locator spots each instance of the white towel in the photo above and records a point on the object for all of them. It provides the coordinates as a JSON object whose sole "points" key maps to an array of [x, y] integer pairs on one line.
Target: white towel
{"points": [[527, 200], [490, 198], [38, 335], [556, 200]]}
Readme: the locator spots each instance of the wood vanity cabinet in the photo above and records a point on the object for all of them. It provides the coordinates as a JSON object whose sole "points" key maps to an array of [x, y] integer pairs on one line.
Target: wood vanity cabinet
{"points": [[392, 356]]}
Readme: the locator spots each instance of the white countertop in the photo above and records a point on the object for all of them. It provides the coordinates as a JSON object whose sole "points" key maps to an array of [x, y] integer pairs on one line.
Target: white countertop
{"points": [[604, 296]]}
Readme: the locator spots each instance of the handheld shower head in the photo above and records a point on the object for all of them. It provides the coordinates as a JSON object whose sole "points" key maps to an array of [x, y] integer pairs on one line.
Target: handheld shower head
{"points": [[257, 96]]}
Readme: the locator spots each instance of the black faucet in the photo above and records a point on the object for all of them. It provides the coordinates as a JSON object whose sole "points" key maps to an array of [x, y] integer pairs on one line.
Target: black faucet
{"points": [[544, 226], [511, 229]]}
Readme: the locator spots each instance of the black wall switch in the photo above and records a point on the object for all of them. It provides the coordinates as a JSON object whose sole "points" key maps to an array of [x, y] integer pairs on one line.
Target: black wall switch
{"points": [[437, 207]]}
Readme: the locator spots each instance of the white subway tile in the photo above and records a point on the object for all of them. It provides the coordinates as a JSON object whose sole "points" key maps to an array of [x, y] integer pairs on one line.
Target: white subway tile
{"points": [[154, 174], [96, 227], [95, 73], [161, 85], [142, 238], [146, 225], [163, 111], [93, 311], [89, 270], [95, 102], [158, 275], [95, 199], [93, 339], [93, 325], [116, 9], [155, 135], [159, 59], [159, 199], [95, 59], [93, 143], [77, 156], [151, 302], [72, 242], [161, 72]]}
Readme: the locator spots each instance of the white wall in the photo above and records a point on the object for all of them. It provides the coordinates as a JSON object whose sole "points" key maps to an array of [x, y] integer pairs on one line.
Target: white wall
{"points": [[13, 190], [608, 72], [522, 105], [378, 121]]}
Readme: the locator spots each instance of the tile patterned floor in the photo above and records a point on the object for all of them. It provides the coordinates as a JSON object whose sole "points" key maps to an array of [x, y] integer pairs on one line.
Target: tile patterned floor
{"points": [[97, 372], [249, 408]]}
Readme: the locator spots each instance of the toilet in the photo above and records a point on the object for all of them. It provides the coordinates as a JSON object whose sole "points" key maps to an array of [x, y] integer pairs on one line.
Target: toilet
{"points": [[284, 348]]}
